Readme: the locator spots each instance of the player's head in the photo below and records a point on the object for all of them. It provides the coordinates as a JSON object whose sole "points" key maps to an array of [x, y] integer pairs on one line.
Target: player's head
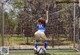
{"points": [[41, 21]]}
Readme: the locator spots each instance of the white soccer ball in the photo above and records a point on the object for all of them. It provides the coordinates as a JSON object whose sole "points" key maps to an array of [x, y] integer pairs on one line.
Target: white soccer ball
{"points": [[39, 50]]}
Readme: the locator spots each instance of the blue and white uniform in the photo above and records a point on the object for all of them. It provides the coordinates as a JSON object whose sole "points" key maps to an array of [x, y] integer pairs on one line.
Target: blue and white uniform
{"points": [[40, 34], [40, 31], [40, 27]]}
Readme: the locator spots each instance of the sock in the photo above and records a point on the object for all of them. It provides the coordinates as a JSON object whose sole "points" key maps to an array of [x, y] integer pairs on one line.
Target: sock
{"points": [[36, 44], [45, 44]]}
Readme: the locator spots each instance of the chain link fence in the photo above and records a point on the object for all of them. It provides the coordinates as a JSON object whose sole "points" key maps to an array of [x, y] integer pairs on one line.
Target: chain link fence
{"points": [[59, 30]]}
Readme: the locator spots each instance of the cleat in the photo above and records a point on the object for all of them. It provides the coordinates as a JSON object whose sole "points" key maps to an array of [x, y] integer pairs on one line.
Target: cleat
{"points": [[35, 52]]}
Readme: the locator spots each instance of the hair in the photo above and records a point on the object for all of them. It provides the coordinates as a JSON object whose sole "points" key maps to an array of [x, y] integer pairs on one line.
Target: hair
{"points": [[42, 21]]}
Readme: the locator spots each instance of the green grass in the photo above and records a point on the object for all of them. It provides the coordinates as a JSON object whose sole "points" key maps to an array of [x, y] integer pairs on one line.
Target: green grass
{"points": [[51, 52], [23, 40]]}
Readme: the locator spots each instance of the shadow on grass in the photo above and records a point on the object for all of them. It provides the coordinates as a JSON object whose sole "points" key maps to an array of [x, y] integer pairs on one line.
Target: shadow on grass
{"points": [[44, 54]]}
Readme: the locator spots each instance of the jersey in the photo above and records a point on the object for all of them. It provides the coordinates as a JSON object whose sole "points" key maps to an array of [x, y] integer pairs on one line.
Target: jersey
{"points": [[40, 27]]}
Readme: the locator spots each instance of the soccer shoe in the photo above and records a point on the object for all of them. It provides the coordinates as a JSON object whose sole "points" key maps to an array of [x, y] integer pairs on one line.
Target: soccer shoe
{"points": [[35, 51]]}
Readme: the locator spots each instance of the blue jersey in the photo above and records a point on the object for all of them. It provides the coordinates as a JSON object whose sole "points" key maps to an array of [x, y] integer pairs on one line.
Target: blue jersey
{"points": [[40, 27]]}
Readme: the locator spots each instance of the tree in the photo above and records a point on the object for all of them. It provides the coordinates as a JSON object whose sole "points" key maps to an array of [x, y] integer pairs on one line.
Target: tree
{"points": [[60, 16]]}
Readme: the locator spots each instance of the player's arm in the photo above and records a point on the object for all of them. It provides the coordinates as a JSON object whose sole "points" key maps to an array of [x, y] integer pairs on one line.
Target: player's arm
{"points": [[47, 17]]}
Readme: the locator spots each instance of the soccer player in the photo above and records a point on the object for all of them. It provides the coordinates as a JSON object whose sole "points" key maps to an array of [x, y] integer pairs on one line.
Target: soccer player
{"points": [[40, 33]]}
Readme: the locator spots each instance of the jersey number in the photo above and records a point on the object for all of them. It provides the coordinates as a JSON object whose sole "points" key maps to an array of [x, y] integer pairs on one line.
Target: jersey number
{"points": [[40, 26]]}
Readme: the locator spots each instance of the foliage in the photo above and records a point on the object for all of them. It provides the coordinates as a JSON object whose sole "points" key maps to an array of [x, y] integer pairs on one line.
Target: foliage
{"points": [[60, 17]]}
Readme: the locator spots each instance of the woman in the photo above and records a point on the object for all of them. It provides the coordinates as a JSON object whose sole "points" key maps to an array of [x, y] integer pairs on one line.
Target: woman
{"points": [[41, 27]]}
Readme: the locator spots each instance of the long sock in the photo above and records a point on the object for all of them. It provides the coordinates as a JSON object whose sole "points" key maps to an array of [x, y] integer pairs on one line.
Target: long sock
{"points": [[45, 44], [36, 44]]}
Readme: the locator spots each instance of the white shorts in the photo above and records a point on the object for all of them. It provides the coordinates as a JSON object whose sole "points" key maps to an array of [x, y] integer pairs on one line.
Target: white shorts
{"points": [[40, 34]]}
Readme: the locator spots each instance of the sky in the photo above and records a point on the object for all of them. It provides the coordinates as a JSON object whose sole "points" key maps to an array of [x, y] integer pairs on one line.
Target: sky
{"points": [[7, 7]]}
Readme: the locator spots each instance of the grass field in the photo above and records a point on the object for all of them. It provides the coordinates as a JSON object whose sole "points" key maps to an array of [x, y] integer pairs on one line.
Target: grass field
{"points": [[50, 52], [20, 40], [23, 40]]}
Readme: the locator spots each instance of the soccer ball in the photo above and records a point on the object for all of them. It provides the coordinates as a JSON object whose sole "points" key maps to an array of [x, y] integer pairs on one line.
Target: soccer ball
{"points": [[39, 50]]}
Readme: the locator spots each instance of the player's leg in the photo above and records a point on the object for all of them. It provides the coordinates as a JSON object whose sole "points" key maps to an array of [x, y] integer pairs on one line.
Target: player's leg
{"points": [[37, 36], [36, 44], [45, 41]]}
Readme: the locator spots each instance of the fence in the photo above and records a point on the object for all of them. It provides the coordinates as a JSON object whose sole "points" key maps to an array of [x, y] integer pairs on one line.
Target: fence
{"points": [[62, 30]]}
